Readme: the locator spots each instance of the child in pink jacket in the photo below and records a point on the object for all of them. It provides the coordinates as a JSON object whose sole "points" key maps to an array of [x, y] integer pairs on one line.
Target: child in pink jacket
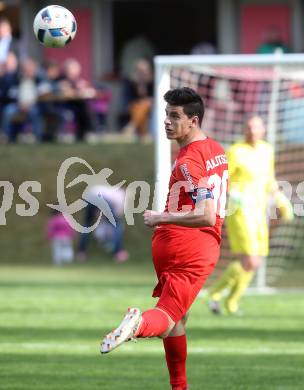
{"points": [[61, 236]]}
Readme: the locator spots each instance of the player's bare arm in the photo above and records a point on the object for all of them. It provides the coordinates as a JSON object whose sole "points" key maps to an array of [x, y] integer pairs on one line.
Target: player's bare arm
{"points": [[202, 215]]}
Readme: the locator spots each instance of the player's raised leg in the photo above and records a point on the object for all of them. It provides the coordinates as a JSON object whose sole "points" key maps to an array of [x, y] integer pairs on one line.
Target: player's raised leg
{"points": [[124, 332], [151, 323]]}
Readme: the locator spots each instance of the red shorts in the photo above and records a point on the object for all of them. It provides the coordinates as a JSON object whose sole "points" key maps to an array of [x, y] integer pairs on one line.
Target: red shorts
{"points": [[183, 259]]}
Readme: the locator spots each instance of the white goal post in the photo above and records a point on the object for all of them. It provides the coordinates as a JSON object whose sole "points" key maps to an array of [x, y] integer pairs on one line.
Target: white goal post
{"points": [[274, 72]]}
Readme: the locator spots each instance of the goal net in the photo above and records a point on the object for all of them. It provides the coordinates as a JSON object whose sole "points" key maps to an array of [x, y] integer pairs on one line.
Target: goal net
{"points": [[233, 86]]}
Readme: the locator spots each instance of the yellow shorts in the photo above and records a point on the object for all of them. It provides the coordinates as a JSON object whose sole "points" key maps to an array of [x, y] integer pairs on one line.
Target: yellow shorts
{"points": [[248, 232]]}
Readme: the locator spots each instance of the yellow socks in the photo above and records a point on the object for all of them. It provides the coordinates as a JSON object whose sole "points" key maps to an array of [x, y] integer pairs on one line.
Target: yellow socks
{"points": [[227, 280], [236, 292]]}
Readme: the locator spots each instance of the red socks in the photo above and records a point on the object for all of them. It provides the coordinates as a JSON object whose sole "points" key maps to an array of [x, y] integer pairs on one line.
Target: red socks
{"points": [[154, 322], [176, 355]]}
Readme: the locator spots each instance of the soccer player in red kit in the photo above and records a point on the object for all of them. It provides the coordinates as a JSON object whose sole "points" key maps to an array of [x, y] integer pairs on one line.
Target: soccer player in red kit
{"points": [[187, 235]]}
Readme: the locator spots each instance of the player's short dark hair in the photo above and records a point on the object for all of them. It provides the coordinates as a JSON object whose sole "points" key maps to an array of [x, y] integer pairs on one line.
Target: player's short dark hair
{"points": [[186, 97]]}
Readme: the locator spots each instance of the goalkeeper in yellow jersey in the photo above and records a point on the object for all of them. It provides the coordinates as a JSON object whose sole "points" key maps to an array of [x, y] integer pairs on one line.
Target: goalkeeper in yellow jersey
{"points": [[252, 182]]}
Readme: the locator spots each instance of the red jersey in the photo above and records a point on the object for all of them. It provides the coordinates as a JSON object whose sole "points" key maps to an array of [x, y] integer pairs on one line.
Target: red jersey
{"points": [[199, 165]]}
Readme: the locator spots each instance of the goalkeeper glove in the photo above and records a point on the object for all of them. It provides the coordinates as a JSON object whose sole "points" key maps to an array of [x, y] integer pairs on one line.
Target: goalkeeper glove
{"points": [[237, 198]]}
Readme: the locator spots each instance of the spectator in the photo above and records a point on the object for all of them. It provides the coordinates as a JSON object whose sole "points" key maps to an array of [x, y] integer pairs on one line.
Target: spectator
{"points": [[25, 108], [272, 42], [8, 80], [61, 236], [50, 100], [50, 83], [108, 234], [138, 97], [137, 47], [7, 42], [76, 91], [100, 107]]}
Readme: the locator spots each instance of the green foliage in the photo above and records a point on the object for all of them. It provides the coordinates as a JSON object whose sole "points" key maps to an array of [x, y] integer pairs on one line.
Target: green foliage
{"points": [[52, 320]]}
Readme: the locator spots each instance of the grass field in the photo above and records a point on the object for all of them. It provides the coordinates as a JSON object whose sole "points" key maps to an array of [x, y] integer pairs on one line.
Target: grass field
{"points": [[52, 319]]}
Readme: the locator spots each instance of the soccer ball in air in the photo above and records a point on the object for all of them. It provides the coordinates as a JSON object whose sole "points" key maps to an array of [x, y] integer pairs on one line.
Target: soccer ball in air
{"points": [[55, 26]]}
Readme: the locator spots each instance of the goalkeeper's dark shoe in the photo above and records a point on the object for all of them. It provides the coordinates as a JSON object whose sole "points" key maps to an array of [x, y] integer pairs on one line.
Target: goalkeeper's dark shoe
{"points": [[215, 307]]}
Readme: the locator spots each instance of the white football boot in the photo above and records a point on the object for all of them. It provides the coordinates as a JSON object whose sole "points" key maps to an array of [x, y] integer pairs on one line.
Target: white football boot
{"points": [[125, 331]]}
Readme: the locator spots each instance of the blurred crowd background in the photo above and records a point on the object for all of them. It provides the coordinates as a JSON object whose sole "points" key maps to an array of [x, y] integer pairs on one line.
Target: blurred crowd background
{"points": [[100, 87]]}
